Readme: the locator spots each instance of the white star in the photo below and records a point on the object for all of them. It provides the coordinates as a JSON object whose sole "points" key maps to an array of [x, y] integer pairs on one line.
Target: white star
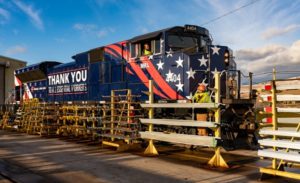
{"points": [[169, 75], [160, 65], [203, 61], [190, 96], [191, 73], [179, 62], [215, 71], [170, 53], [150, 57], [179, 86], [215, 50], [203, 82]]}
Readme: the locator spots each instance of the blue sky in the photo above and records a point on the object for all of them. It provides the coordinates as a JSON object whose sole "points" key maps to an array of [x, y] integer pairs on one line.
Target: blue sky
{"points": [[262, 35]]}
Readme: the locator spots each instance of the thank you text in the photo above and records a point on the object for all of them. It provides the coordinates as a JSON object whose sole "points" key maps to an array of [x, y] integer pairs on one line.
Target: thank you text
{"points": [[69, 82]]}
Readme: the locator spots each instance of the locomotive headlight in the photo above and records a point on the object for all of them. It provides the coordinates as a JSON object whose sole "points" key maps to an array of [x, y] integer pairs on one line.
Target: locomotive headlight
{"points": [[226, 57], [232, 92]]}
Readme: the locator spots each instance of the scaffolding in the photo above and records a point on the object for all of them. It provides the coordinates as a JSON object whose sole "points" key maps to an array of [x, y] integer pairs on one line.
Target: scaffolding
{"points": [[24, 114], [5, 120], [80, 121], [186, 139], [120, 123], [281, 131], [49, 125]]}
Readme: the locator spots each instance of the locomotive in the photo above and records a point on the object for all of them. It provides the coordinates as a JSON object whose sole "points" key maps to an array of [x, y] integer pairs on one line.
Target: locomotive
{"points": [[182, 57]]}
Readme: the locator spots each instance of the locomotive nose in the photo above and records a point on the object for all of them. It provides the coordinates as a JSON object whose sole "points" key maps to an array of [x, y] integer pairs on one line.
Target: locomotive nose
{"points": [[196, 72]]}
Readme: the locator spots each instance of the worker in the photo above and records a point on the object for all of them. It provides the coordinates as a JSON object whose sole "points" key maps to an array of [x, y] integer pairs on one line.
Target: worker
{"points": [[147, 50], [201, 96]]}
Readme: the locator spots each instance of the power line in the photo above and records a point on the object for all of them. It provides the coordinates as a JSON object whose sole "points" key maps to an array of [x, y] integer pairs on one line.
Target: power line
{"points": [[230, 12]]}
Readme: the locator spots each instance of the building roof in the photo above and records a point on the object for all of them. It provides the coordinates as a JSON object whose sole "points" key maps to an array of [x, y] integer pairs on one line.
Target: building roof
{"points": [[11, 59]]}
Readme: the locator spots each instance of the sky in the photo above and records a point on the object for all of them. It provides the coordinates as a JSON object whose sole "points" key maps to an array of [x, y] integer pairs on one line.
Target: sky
{"points": [[262, 35]]}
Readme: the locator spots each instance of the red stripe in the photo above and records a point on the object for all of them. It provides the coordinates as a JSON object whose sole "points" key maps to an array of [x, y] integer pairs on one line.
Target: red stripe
{"points": [[110, 52], [144, 78], [129, 71], [138, 71], [116, 48], [160, 81]]}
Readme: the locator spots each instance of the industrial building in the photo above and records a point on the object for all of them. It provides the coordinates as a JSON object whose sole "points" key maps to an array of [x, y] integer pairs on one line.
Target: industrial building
{"points": [[7, 68]]}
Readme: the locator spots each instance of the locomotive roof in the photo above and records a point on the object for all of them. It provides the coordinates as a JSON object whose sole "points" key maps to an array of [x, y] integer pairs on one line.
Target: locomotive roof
{"points": [[64, 65], [154, 34], [41, 65], [35, 72]]}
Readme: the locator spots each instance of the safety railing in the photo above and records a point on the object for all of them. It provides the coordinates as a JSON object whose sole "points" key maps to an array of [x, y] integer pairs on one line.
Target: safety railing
{"points": [[78, 120], [186, 139], [120, 119], [281, 131]]}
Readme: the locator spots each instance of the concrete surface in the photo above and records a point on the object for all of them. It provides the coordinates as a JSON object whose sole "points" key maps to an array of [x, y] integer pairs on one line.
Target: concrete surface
{"points": [[26, 158]]}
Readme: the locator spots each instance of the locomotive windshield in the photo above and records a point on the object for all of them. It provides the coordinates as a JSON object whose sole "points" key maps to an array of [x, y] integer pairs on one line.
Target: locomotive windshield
{"points": [[188, 44], [180, 42]]}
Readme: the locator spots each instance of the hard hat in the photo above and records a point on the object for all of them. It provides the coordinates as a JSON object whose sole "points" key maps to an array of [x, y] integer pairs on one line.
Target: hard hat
{"points": [[201, 87]]}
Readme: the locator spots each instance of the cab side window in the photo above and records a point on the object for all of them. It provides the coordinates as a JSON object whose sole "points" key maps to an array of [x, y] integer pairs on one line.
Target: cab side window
{"points": [[145, 48], [155, 45], [135, 50]]}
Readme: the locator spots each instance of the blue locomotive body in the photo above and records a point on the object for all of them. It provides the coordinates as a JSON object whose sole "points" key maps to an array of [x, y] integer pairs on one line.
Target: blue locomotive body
{"points": [[181, 58]]}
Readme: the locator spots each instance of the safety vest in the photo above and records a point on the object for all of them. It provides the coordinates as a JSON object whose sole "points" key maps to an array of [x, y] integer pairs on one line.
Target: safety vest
{"points": [[201, 97], [147, 52]]}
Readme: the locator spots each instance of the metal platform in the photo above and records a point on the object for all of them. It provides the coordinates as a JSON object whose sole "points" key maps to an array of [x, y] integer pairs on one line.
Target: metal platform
{"points": [[280, 143], [176, 122], [284, 109], [285, 133], [282, 98], [286, 120], [288, 87], [180, 138], [288, 156], [181, 105]]}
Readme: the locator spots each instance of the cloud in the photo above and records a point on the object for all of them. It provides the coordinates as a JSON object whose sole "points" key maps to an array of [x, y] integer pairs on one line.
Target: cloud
{"points": [[239, 30], [258, 53], [15, 50], [33, 14], [5, 15], [85, 27], [275, 31], [60, 40], [265, 58], [93, 29]]}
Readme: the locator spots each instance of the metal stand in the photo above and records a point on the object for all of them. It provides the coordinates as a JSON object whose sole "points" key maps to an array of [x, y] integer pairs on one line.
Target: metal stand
{"points": [[186, 139], [217, 160], [151, 149], [283, 122], [120, 121]]}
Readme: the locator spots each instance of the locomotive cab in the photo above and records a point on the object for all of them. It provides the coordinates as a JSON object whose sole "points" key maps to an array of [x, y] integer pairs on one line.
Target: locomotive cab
{"points": [[184, 57]]}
